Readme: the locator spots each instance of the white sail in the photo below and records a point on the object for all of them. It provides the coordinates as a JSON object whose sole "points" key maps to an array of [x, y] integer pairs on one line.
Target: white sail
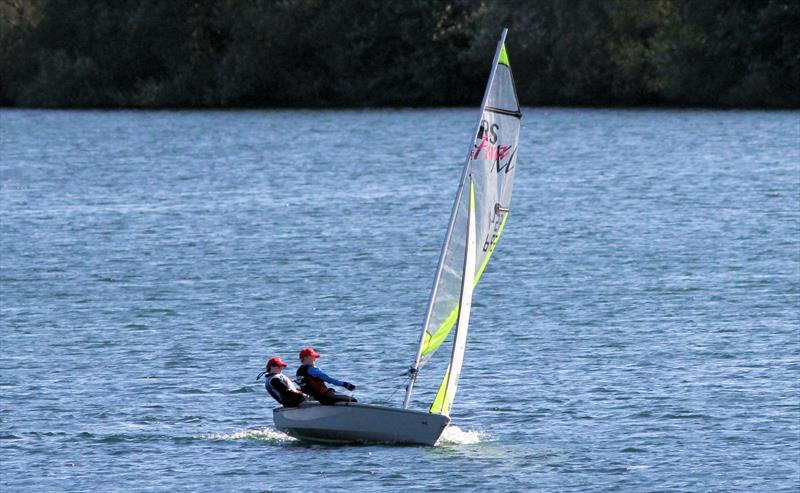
{"points": [[489, 171], [447, 390]]}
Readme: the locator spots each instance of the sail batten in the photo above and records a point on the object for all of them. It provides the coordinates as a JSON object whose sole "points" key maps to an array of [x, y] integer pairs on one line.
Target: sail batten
{"points": [[487, 178], [515, 114]]}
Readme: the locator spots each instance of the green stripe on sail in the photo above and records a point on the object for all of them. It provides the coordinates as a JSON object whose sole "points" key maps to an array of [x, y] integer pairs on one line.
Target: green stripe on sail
{"points": [[432, 343], [438, 402], [503, 57]]}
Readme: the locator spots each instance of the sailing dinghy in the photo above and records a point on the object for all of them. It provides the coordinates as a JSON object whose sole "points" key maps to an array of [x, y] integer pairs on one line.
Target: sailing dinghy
{"points": [[476, 223]]}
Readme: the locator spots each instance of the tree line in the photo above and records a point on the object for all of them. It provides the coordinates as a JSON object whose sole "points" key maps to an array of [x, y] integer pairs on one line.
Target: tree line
{"points": [[354, 53]]}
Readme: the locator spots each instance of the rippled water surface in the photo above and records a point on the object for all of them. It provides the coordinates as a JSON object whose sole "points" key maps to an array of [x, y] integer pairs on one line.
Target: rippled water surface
{"points": [[636, 331]]}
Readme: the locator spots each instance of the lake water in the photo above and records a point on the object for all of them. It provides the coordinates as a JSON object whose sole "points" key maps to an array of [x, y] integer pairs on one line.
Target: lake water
{"points": [[637, 330]]}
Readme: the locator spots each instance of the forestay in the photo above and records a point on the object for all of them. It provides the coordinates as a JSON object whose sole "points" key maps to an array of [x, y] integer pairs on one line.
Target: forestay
{"points": [[489, 174]]}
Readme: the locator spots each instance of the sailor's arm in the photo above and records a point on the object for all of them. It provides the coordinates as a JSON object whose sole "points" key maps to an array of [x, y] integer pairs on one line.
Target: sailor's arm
{"points": [[317, 373]]}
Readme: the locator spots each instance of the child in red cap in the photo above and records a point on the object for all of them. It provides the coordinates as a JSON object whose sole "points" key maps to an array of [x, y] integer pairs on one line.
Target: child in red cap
{"points": [[312, 380], [283, 390]]}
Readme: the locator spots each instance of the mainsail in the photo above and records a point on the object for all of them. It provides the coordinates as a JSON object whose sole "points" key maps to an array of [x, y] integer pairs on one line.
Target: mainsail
{"points": [[479, 215]]}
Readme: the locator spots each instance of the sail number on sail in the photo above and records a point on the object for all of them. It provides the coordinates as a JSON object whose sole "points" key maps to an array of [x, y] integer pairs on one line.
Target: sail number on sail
{"points": [[496, 224]]}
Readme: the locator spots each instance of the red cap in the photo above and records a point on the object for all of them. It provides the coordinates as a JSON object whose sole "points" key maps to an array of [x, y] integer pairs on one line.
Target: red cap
{"points": [[276, 361], [308, 351]]}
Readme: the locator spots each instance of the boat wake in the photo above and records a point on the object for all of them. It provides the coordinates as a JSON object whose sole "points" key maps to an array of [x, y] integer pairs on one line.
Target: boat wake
{"points": [[261, 434], [453, 435]]}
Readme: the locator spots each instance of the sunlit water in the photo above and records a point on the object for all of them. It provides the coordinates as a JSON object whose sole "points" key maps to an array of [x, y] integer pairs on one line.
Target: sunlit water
{"points": [[636, 331]]}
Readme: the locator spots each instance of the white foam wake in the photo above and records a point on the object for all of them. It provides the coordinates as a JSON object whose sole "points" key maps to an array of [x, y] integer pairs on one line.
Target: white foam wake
{"points": [[265, 434], [453, 435]]}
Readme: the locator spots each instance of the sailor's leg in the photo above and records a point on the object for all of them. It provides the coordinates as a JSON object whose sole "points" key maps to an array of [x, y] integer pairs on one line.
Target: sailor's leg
{"points": [[341, 397]]}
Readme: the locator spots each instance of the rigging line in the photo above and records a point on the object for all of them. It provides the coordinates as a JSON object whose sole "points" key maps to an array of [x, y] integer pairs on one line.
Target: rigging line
{"points": [[389, 399], [387, 378], [393, 394]]}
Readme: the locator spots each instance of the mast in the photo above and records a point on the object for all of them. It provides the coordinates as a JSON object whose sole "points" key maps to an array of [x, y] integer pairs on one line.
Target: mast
{"points": [[465, 172]]}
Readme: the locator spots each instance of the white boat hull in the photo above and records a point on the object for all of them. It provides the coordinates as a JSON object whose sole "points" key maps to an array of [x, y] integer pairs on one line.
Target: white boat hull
{"points": [[359, 423]]}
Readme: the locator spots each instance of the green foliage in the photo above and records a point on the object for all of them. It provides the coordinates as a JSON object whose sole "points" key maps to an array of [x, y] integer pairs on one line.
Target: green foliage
{"points": [[312, 53]]}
